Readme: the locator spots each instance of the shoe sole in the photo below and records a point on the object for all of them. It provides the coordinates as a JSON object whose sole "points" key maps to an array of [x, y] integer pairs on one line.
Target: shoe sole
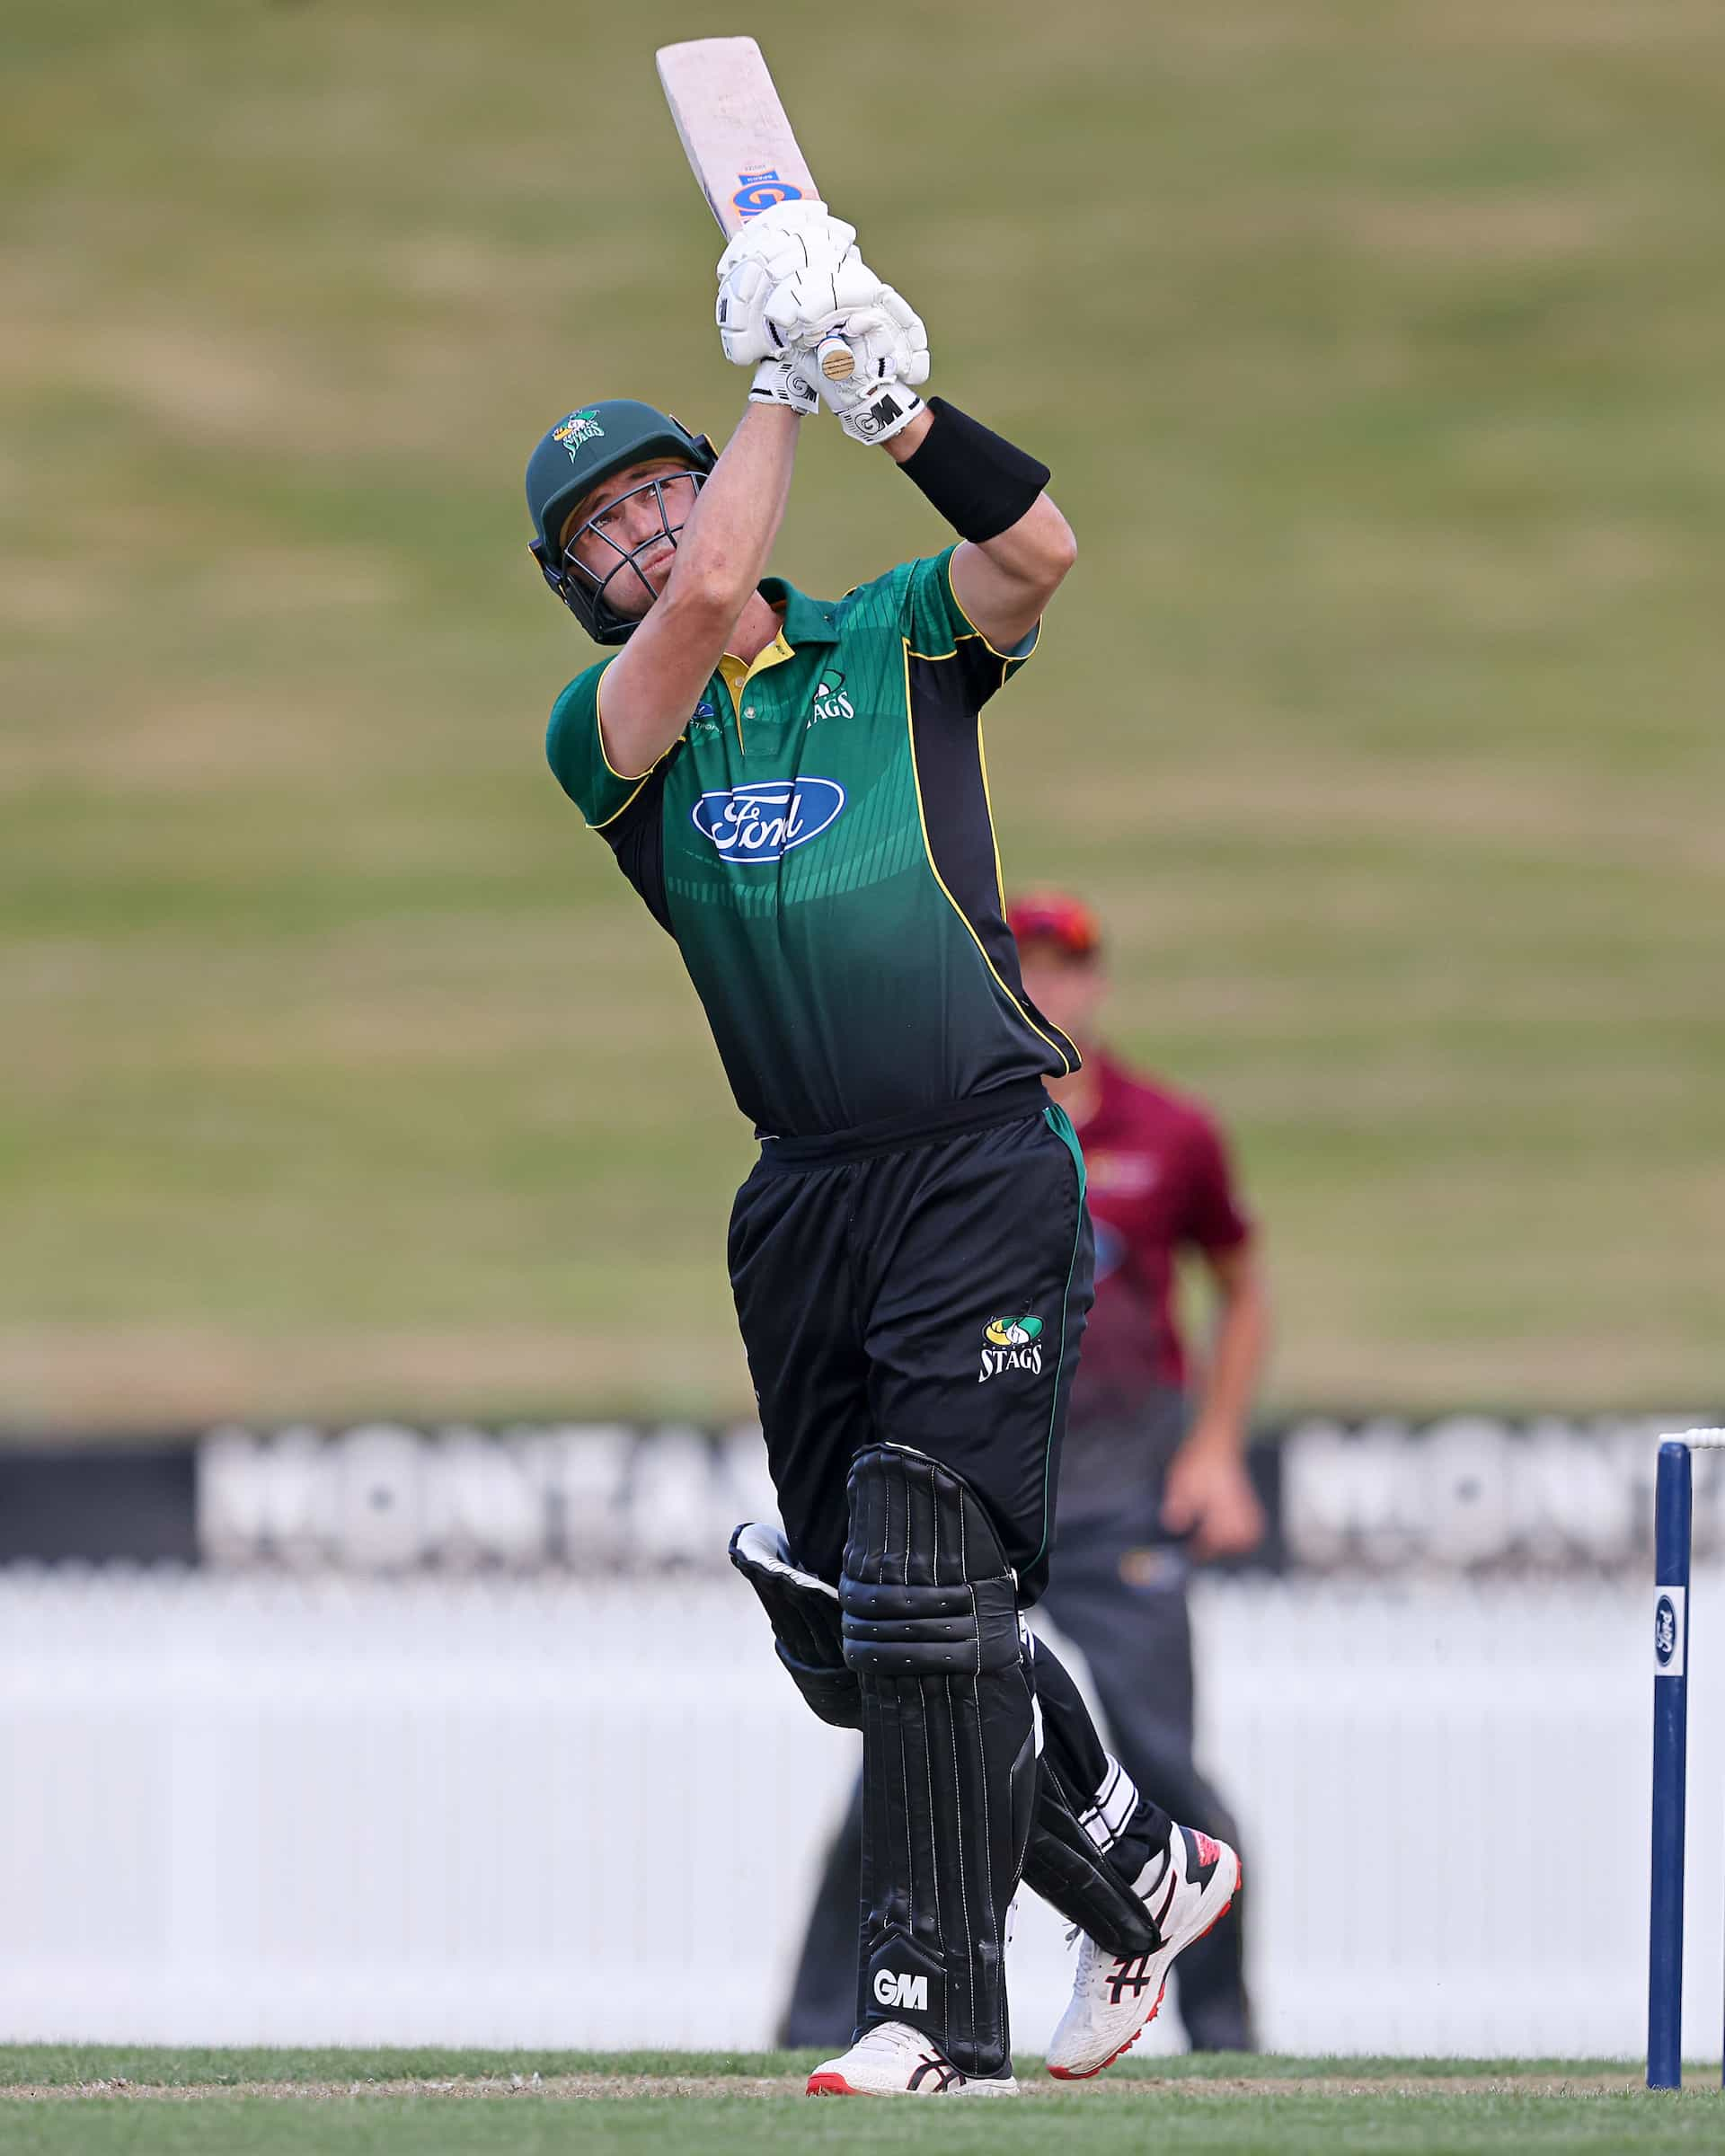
{"points": [[1089, 2073], [835, 2084]]}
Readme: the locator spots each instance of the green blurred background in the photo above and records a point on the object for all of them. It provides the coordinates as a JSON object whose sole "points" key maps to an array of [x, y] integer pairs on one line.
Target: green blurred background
{"points": [[1376, 349]]}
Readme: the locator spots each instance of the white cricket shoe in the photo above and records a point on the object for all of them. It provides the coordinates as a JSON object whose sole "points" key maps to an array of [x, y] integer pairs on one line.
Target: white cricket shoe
{"points": [[1115, 1997], [893, 2059]]}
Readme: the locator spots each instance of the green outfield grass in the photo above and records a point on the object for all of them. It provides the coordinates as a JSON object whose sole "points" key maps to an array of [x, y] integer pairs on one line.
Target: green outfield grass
{"points": [[430, 2102], [1378, 350]]}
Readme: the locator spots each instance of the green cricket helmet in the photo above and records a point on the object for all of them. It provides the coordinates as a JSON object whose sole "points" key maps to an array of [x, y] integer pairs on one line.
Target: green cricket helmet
{"points": [[580, 450]]}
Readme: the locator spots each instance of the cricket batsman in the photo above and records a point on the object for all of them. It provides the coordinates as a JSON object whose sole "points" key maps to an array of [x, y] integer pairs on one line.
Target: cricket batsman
{"points": [[796, 789]]}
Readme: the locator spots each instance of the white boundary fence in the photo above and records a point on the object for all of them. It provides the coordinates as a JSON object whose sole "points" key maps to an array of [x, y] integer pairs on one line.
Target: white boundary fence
{"points": [[548, 1813]]}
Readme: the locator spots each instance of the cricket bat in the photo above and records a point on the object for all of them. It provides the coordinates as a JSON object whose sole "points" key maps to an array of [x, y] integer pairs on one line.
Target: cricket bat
{"points": [[738, 143]]}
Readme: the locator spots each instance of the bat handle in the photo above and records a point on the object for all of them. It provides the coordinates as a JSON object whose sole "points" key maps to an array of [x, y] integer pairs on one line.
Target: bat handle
{"points": [[836, 358]]}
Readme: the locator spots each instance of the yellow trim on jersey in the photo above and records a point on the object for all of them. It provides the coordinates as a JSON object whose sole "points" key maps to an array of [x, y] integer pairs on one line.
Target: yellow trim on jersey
{"points": [[740, 672], [933, 869], [771, 654], [974, 636], [988, 798], [624, 778], [615, 813]]}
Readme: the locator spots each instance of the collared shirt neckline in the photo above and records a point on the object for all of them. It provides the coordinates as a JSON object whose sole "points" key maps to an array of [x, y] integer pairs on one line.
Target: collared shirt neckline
{"points": [[805, 622], [738, 672]]}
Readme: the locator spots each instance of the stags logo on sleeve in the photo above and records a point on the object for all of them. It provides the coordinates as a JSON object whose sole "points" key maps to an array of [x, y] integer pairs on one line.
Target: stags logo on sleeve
{"points": [[1011, 1344]]}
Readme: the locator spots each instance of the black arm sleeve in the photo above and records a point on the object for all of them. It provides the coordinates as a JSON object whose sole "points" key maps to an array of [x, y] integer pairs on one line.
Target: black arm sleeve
{"points": [[978, 481]]}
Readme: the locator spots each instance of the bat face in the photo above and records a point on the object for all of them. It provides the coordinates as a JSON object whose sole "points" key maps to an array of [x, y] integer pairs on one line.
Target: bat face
{"points": [[733, 128], [740, 144]]}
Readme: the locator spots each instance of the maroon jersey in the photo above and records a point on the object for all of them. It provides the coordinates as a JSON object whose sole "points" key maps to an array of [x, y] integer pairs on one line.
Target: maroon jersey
{"points": [[1160, 1180]]}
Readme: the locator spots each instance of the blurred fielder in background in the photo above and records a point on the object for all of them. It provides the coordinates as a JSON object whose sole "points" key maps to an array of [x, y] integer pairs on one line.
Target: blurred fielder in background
{"points": [[795, 789], [1152, 1475]]}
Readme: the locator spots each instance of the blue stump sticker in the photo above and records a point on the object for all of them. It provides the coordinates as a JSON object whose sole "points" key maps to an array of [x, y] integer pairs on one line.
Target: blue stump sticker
{"points": [[1667, 1632]]}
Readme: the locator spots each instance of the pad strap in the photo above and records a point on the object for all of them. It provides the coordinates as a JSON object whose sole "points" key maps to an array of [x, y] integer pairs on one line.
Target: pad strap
{"points": [[928, 1632], [1064, 1866], [978, 481]]}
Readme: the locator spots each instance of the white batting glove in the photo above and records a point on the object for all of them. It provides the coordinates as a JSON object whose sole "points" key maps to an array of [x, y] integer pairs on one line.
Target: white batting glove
{"points": [[804, 307], [767, 233], [790, 238], [788, 381], [890, 347]]}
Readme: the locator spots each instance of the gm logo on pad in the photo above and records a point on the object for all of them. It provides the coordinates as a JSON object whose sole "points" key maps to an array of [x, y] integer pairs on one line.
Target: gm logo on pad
{"points": [[911, 1992], [761, 823]]}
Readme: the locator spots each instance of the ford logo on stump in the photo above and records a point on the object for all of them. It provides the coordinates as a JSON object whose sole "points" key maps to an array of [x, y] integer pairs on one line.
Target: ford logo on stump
{"points": [[762, 822]]}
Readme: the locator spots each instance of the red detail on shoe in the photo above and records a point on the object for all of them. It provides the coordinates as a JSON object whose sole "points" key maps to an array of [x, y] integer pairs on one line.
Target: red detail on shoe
{"points": [[1208, 1851], [1066, 2074], [830, 2084], [1069, 2074]]}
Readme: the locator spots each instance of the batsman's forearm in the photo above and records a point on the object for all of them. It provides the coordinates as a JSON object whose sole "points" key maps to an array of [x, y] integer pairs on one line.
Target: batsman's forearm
{"points": [[647, 691], [904, 445], [725, 545]]}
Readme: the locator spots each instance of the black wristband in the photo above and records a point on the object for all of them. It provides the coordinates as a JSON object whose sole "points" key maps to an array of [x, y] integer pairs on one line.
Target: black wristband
{"points": [[978, 481]]}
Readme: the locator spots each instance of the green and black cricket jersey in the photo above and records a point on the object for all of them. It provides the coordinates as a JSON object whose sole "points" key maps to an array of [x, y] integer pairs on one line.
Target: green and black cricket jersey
{"points": [[819, 840]]}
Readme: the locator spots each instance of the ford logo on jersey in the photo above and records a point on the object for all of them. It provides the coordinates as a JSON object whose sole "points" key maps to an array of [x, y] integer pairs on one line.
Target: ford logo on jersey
{"points": [[762, 822]]}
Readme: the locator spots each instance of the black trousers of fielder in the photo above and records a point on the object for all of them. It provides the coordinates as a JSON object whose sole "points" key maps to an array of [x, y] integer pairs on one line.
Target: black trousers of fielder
{"points": [[912, 1311]]}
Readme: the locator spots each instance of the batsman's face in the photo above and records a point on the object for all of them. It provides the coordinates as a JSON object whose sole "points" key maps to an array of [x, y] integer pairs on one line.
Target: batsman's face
{"points": [[1063, 987], [628, 523]]}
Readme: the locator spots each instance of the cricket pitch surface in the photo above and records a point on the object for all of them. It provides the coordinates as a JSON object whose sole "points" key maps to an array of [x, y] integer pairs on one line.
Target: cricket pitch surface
{"points": [[94, 2099]]}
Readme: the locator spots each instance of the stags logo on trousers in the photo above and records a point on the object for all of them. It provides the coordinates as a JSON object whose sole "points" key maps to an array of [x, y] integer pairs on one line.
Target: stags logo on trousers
{"points": [[762, 821], [1011, 1344]]}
